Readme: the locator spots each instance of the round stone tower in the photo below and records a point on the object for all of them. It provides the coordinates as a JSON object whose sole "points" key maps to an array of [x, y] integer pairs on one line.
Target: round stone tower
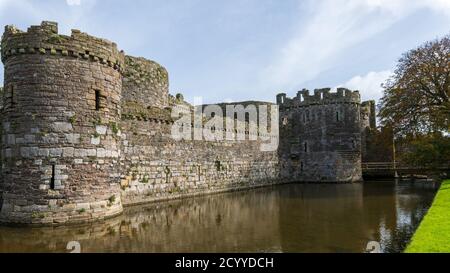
{"points": [[320, 136], [145, 82], [60, 135]]}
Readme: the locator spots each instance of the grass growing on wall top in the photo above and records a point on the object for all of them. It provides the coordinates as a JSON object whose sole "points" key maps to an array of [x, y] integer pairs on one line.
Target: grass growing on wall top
{"points": [[433, 235]]}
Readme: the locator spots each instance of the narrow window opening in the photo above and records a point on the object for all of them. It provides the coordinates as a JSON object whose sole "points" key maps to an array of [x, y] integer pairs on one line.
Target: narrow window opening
{"points": [[97, 100], [306, 147], [52, 180], [218, 165], [12, 95], [302, 166], [338, 118]]}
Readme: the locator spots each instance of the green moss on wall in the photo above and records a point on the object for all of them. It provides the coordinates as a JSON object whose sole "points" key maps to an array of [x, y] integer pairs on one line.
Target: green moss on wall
{"points": [[139, 70], [56, 39], [133, 109]]}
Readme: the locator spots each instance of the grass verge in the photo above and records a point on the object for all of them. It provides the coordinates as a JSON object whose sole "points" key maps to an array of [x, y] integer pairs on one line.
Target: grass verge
{"points": [[433, 235]]}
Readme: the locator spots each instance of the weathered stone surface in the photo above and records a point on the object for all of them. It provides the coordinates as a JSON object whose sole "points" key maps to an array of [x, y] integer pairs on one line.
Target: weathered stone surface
{"points": [[68, 152], [78, 161], [55, 152], [73, 138], [101, 129], [61, 127], [95, 140]]}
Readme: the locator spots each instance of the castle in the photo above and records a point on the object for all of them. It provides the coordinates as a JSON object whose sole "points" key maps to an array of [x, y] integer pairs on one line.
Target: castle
{"points": [[86, 130]]}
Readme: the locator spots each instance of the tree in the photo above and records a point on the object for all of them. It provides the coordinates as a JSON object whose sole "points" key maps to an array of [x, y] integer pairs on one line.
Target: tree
{"points": [[427, 150], [378, 145], [417, 97]]}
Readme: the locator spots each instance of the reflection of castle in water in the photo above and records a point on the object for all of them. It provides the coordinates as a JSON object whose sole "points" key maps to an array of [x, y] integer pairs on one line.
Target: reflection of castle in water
{"points": [[182, 225], [323, 218], [291, 218]]}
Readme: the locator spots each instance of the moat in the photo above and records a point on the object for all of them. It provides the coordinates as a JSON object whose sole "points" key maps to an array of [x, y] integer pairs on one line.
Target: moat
{"points": [[287, 218]]}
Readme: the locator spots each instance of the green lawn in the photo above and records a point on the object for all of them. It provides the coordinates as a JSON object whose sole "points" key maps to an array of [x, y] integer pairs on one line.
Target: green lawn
{"points": [[433, 235]]}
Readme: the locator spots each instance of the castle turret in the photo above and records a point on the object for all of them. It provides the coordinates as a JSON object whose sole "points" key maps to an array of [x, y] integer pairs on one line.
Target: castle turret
{"points": [[368, 115], [60, 135], [145, 83], [368, 127], [320, 136]]}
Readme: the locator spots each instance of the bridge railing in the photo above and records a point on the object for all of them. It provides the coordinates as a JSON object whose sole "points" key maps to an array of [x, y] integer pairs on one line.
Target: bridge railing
{"points": [[379, 166], [367, 166]]}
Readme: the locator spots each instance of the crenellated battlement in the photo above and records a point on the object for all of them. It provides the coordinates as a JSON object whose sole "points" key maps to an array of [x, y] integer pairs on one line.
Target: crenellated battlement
{"points": [[44, 39], [320, 96]]}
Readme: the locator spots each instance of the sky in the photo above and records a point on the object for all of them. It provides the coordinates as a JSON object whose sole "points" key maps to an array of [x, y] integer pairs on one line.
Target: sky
{"points": [[252, 49]]}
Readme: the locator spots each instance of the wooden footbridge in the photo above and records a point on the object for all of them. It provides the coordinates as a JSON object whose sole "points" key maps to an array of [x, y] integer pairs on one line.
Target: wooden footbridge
{"points": [[395, 169]]}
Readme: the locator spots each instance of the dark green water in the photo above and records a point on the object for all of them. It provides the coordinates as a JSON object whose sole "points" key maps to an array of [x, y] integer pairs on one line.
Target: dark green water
{"points": [[288, 218]]}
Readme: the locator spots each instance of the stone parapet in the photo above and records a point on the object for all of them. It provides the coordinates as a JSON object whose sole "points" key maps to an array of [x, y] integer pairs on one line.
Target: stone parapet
{"points": [[45, 40], [321, 96]]}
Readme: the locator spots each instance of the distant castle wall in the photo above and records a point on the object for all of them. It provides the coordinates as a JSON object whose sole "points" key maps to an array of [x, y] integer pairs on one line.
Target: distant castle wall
{"points": [[368, 115], [368, 126]]}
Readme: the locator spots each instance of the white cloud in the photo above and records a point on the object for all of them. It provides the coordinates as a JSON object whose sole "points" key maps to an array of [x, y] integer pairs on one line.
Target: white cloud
{"points": [[73, 2], [405, 6], [37, 11], [369, 85], [328, 28]]}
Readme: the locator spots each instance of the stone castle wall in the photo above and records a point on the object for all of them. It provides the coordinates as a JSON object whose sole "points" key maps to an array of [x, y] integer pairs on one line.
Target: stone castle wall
{"points": [[156, 167], [87, 130], [377, 143], [320, 136], [368, 125]]}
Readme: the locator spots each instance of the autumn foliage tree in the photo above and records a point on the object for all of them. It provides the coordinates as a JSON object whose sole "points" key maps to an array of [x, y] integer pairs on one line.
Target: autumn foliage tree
{"points": [[417, 97], [426, 150], [416, 104]]}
